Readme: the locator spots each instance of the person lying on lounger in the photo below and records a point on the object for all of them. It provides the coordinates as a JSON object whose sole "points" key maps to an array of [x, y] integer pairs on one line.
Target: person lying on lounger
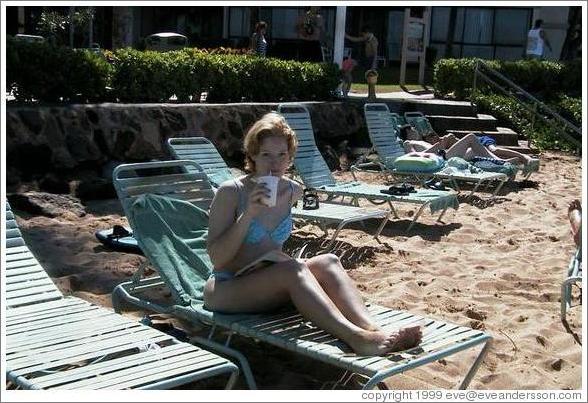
{"points": [[467, 147], [243, 229]]}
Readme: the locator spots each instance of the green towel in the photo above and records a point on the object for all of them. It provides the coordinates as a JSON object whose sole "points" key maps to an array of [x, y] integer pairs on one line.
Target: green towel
{"points": [[172, 233]]}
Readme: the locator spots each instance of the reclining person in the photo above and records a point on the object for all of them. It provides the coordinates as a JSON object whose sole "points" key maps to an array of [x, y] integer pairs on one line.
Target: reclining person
{"points": [[243, 229], [467, 147]]}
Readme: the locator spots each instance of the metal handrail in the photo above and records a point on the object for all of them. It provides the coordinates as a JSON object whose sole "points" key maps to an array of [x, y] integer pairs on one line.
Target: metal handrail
{"points": [[536, 104]]}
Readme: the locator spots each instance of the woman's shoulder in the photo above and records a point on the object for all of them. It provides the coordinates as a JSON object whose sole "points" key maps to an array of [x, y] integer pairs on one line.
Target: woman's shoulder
{"points": [[296, 187]]}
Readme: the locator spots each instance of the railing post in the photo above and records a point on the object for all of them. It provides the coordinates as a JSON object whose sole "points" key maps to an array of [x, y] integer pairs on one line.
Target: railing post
{"points": [[475, 76], [533, 116]]}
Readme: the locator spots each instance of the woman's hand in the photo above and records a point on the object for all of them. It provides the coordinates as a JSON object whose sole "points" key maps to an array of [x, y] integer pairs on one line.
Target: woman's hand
{"points": [[255, 201]]}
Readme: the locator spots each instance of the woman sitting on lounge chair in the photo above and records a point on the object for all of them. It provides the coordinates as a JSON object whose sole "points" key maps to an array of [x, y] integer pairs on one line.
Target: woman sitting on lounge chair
{"points": [[243, 230], [467, 147]]}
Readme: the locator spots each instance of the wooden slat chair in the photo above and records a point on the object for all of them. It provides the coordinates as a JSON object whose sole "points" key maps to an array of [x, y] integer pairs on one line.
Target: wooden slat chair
{"points": [[383, 133], [206, 155], [315, 173], [285, 329], [57, 342]]}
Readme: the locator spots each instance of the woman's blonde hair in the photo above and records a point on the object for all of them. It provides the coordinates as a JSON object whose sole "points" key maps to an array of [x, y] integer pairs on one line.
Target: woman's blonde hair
{"points": [[271, 124]]}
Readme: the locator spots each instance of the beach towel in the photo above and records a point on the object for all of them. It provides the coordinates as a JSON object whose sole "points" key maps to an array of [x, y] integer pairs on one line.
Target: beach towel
{"points": [[494, 165], [173, 234]]}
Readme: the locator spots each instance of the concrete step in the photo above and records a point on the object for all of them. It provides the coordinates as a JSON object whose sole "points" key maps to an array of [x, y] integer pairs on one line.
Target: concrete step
{"points": [[439, 107], [426, 106], [442, 124], [503, 135]]}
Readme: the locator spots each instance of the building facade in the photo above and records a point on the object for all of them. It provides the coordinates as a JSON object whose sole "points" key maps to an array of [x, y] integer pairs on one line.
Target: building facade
{"points": [[463, 31]]}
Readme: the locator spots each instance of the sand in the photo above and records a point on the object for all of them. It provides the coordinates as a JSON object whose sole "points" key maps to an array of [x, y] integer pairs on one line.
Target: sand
{"points": [[496, 267]]}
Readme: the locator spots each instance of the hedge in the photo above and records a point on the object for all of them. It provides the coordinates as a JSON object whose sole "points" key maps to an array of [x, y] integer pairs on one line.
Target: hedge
{"points": [[545, 79], [52, 74], [510, 113], [61, 74]]}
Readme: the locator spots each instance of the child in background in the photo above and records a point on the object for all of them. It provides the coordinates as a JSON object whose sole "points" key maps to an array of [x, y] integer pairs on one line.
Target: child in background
{"points": [[347, 67]]}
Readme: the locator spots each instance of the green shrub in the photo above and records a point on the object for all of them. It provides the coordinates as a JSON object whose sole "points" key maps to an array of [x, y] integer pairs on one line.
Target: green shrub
{"points": [[48, 73], [544, 79], [510, 113], [61, 74]]}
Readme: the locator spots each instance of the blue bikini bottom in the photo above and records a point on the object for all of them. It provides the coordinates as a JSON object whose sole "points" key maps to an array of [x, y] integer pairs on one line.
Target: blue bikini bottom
{"points": [[222, 275]]}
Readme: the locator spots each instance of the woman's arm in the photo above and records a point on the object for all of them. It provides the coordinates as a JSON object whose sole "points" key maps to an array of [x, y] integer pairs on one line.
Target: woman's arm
{"points": [[355, 38], [225, 233]]}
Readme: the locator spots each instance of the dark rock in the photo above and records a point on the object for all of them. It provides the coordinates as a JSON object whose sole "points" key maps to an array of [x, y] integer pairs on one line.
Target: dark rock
{"points": [[96, 189], [47, 204], [32, 119], [54, 184], [556, 364]]}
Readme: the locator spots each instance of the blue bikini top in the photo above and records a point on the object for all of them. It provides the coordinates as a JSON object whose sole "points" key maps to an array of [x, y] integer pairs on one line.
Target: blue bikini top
{"points": [[257, 232]]}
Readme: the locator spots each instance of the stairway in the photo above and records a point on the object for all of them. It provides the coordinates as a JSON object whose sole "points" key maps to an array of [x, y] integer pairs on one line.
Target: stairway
{"points": [[459, 118]]}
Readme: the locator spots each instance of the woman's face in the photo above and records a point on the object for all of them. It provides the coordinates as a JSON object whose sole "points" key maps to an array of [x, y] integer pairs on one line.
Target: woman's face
{"points": [[273, 156]]}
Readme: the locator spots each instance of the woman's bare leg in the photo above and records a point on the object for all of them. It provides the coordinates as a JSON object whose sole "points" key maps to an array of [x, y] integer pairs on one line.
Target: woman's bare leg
{"points": [[333, 278], [505, 153], [469, 142], [268, 288]]}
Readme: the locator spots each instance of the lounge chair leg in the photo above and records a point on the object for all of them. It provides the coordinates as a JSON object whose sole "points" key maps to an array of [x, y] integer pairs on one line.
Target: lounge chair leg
{"points": [[393, 210], [474, 368], [243, 363], [497, 190], [417, 215], [232, 380], [381, 227], [476, 186], [442, 214]]}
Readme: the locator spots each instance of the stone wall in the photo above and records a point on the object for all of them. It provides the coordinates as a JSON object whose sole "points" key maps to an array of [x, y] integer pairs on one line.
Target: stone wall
{"points": [[64, 140]]}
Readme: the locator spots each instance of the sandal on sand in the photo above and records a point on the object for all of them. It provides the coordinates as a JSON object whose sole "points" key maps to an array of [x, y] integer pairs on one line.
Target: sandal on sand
{"points": [[403, 189], [118, 231], [436, 185]]}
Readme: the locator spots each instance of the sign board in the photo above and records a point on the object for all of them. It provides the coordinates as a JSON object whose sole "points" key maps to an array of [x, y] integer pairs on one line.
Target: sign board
{"points": [[414, 42], [415, 37]]}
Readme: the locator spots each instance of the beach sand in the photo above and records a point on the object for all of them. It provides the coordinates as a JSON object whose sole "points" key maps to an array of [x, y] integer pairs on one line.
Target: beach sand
{"points": [[497, 268]]}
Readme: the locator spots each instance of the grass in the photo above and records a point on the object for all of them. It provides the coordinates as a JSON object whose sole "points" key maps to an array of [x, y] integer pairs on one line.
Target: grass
{"points": [[389, 79]]}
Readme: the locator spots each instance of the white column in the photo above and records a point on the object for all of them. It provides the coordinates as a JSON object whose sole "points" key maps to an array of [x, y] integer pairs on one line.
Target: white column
{"points": [[422, 58], [225, 22], [339, 35], [21, 20]]}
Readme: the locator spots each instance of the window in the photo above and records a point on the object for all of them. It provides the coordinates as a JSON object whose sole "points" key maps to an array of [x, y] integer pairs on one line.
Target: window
{"points": [[482, 31], [239, 21]]}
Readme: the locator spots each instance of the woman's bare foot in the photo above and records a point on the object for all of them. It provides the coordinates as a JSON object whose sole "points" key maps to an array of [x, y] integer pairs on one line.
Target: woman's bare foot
{"points": [[575, 217], [379, 343]]}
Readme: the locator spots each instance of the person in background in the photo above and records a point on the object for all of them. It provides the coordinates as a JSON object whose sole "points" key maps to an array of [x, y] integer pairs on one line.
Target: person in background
{"points": [[258, 44], [370, 60], [347, 74], [537, 41], [575, 217]]}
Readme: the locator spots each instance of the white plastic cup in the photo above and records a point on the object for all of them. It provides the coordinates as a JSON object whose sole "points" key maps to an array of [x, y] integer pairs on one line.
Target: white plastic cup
{"points": [[271, 182]]}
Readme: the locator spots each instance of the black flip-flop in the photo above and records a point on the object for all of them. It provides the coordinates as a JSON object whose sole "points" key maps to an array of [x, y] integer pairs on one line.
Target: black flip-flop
{"points": [[395, 190]]}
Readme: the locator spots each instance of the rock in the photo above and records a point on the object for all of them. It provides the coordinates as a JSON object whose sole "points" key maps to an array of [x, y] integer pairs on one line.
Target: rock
{"points": [[47, 204], [556, 364], [95, 189], [54, 184], [476, 315]]}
